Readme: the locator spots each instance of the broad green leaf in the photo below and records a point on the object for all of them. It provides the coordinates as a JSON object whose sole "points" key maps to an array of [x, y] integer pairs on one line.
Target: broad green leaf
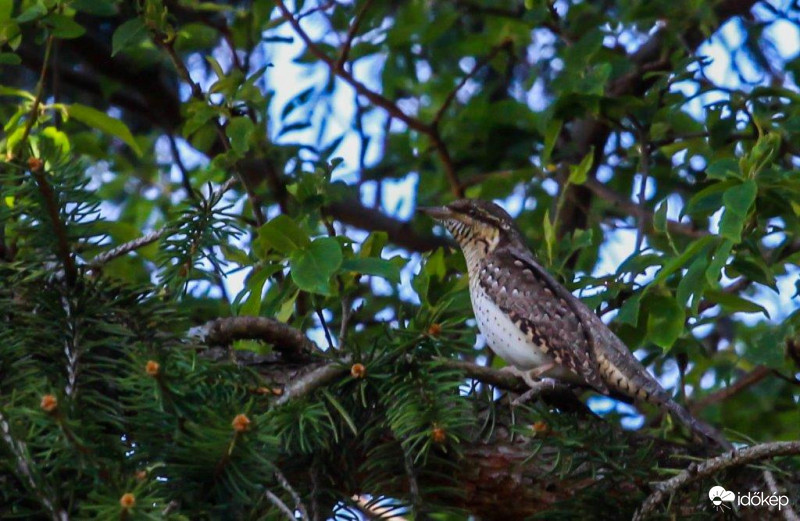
{"points": [[313, 266], [739, 198], [373, 244], [664, 321], [714, 270], [550, 137], [723, 169], [577, 174], [9, 58], [281, 234], [629, 312], [693, 283], [95, 7], [64, 27], [103, 122], [373, 266], [680, 261], [239, 130], [128, 34], [737, 201], [6, 8], [734, 303], [11, 91]]}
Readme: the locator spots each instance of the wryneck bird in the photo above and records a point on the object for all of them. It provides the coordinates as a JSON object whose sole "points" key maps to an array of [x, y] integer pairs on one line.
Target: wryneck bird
{"points": [[535, 324]]}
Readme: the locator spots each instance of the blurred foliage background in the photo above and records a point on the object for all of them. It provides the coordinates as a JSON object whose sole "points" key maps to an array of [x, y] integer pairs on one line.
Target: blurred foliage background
{"points": [[167, 163]]}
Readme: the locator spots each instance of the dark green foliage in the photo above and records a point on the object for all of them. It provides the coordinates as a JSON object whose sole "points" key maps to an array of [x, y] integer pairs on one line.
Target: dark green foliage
{"points": [[272, 169]]}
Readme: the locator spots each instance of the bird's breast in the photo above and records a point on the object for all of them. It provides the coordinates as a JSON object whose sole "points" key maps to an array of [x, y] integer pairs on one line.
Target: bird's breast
{"points": [[503, 336]]}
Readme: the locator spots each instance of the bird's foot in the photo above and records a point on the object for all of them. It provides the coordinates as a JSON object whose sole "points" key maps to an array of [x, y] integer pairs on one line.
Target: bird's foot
{"points": [[532, 377]]}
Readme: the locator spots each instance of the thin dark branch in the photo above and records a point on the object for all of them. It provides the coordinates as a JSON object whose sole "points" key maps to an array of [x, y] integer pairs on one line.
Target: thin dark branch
{"points": [[351, 34], [626, 205], [748, 380], [709, 467], [379, 100], [505, 44]]}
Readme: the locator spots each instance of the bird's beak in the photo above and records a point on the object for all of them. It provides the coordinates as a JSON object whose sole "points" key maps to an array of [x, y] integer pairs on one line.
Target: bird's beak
{"points": [[440, 213]]}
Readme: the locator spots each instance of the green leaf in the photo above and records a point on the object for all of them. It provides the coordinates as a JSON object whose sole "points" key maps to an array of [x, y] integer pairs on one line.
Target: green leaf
{"points": [[664, 321], [737, 201], [680, 261], [740, 198], [281, 234], [373, 266], [692, 283], [723, 169], [373, 245], [660, 217], [549, 236], [9, 58], [104, 123], [734, 303], [629, 312], [64, 27], [313, 267], [714, 270], [577, 174], [127, 35], [239, 130], [6, 8], [550, 136], [96, 7]]}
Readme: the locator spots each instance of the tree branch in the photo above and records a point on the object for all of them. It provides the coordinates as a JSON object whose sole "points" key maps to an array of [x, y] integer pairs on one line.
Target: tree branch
{"points": [[709, 467], [379, 100], [286, 339]]}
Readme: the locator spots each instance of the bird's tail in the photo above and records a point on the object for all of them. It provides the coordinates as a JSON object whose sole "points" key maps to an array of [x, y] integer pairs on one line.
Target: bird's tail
{"points": [[702, 429]]}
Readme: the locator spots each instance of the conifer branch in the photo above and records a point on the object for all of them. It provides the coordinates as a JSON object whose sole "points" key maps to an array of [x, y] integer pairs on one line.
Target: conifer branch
{"points": [[709, 467], [18, 450]]}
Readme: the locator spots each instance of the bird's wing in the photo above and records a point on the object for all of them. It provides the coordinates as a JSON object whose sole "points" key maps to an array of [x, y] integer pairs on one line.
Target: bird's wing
{"points": [[599, 338], [536, 304]]}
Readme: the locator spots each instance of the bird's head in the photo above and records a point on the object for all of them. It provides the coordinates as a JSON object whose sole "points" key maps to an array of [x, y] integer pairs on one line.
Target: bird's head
{"points": [[478, 226]]}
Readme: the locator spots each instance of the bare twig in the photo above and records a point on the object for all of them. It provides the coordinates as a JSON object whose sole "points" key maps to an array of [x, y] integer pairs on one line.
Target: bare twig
{"points": [[626, 205], [788, 512], [298, 503], [351, 34], [126, 248], [505, 44], [709, 467], [748, 380], [280, 505], [378, 99], [197, 93]]}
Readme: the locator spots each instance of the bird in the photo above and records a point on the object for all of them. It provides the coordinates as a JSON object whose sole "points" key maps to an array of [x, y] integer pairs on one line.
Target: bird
{"points": [[536, 324]]}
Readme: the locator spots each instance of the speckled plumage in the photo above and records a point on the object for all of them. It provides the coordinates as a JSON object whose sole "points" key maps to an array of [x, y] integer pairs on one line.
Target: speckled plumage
{"points": [[534, 322]]}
